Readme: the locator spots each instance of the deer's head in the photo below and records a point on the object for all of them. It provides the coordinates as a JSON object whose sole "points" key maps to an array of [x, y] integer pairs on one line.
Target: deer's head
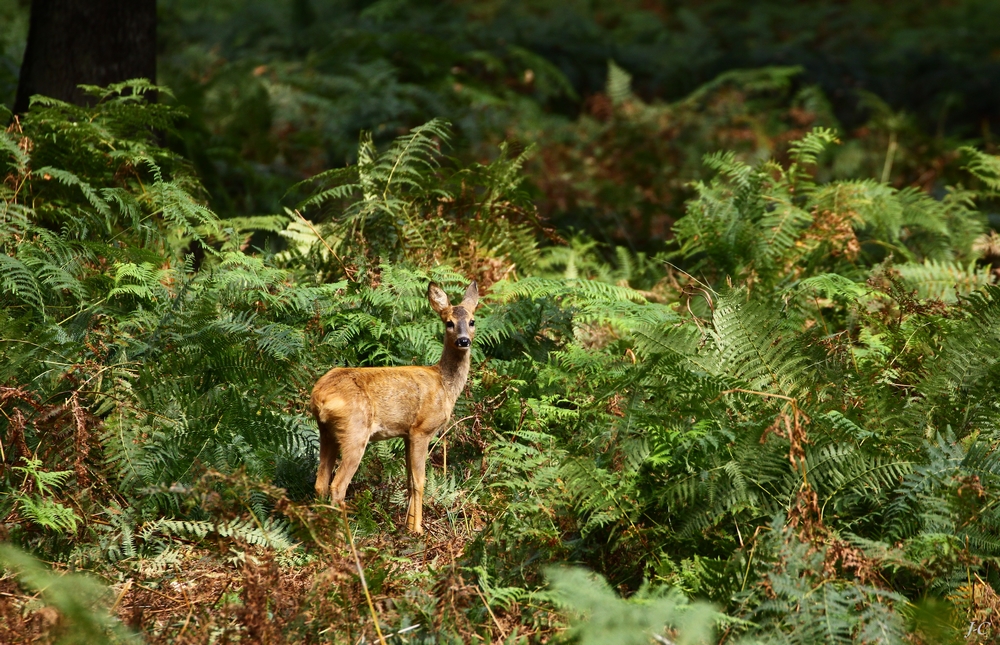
{"points": [[459, 320]]}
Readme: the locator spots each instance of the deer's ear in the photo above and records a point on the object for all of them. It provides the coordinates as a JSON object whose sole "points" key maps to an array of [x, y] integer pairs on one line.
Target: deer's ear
{"points": [[438, 298], [471, 299]]}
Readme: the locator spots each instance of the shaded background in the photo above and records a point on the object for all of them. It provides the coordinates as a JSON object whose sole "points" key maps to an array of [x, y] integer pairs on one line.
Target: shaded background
{"points": [[278, 90]]}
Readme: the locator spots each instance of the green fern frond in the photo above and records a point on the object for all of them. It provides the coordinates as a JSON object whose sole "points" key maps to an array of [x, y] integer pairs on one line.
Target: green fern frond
{"points": [[182, 210], [752, 348], [140, 281], [67, 178], [942, 280], [19, 156], [600, 616], [806, 151], [619, 84], [269, 533], [338, 192], [782, 226], [49, 514], [409, 156], [985, 167], [834, 285], [18, 281]]}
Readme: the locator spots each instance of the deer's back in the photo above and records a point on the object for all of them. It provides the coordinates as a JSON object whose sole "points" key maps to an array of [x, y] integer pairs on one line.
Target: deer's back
{"points": [[386, 401]]}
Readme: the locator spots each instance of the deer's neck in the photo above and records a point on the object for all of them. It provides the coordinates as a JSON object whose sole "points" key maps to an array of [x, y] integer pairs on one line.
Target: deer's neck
{"points": [[454, 366]]}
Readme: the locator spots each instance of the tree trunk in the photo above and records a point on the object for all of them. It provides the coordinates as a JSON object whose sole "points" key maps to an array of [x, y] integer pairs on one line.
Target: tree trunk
{"points": [[94, 42]]}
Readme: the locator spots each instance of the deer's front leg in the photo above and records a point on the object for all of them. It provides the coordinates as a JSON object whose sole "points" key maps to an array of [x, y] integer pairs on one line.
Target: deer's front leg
{"points": [[416, 463], [352, 449]]}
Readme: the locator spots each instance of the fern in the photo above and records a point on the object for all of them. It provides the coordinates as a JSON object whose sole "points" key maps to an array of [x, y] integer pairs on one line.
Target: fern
{"points": [[806, 151], [140, 281], [985, 167], [765, 222], [270, 533], [619, 84], [49, 514], [82, 601], [943, 280], [401, 203], [960, 377], [41, 509], [835, 613], [751, 348], [20, 282], [602, 617]]}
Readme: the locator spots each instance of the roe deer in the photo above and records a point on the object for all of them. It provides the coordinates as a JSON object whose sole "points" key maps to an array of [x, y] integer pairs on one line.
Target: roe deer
{"points": [[355, 405]]}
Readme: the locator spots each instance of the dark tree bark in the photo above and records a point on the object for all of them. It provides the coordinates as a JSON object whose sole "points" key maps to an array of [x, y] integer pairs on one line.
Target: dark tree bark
{"points": [[94, 42]]}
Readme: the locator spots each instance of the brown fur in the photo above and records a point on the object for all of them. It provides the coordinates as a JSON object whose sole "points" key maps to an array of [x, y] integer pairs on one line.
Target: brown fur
{"points": [[355, 405]]}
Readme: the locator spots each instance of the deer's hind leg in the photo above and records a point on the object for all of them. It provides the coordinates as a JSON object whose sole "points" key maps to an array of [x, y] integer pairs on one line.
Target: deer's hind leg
{"points": [[328, 450]]}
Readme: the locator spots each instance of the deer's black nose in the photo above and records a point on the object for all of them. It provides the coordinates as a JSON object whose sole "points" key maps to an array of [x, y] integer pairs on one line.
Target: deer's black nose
{"points": [[463, 342]]}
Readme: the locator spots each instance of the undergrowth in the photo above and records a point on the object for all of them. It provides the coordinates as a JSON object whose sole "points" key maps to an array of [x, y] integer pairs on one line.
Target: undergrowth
{"points": [[782, 430]]}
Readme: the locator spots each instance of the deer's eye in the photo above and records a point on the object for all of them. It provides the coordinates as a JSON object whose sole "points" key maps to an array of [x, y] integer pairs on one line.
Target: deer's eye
{"points": [[472, 323], [449, 325]]}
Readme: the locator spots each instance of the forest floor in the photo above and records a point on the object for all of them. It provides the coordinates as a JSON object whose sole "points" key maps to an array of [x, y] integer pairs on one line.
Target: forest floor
{"points": [[221, 592]]}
